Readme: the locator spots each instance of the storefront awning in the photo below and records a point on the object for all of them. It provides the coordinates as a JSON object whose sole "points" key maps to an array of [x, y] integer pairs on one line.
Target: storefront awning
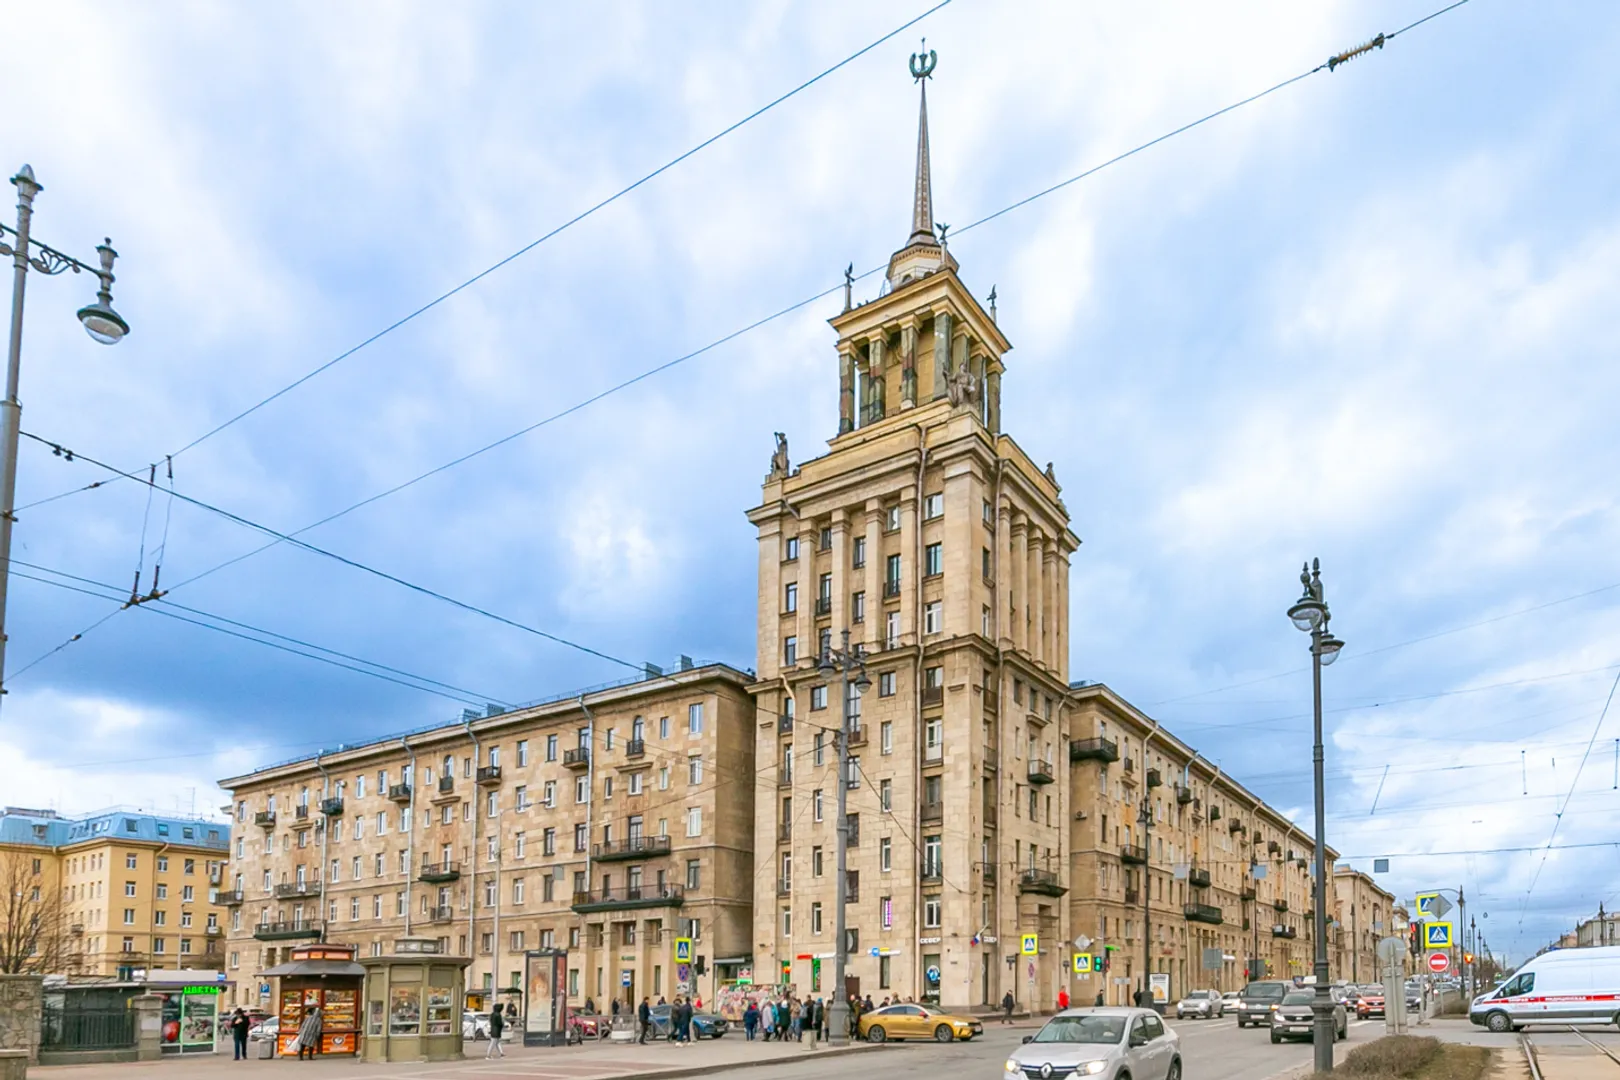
{"points": [[733, 960], [315, 968]]}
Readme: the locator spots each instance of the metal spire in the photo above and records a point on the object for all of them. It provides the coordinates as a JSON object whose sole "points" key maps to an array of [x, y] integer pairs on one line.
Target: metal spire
{"points": [[922, 208]]}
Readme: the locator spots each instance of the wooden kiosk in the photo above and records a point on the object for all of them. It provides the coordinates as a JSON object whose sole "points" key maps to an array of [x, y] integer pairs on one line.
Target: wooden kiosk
{"points": [[323, 976]]}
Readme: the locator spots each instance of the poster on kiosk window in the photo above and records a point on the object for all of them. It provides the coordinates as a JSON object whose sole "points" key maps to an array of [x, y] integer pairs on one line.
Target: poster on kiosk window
{"points": [[190, 1019]]}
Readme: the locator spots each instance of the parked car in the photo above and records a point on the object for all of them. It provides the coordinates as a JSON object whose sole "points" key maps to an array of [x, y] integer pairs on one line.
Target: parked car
{"points": [[1230, 998], [1202, 1004], [474, 1026], [907, 1021], [265, 1029], [1294, 1017], [1259, 1000], [705, 1025], [1106, 1043]]}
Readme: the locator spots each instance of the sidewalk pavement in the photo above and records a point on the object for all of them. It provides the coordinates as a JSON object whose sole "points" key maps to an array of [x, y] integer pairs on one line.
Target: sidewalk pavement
{"points": [[595, 1061]]}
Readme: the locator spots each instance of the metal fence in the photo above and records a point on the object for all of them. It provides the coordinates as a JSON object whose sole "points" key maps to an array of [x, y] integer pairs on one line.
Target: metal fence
{"points": [[65, 1027]]}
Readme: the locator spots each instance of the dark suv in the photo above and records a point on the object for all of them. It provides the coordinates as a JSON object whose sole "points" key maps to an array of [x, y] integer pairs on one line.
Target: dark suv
{"points": [[1259, 1000]]}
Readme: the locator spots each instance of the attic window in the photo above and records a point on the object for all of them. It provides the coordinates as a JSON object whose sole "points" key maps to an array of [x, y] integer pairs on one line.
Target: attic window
{"points": [[163, 830], [130, 825]]}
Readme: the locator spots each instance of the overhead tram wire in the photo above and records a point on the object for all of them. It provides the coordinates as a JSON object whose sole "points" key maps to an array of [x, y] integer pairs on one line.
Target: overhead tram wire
{"points": [[278, 537], [576, 219], [1559, 819], [781, 313], [460, 696]]}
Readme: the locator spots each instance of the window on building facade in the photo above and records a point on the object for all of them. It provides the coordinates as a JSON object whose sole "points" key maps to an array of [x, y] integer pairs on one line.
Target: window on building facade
{"points": [[694, 821], [790, 650], [885, 854], [933, 559], [891, 630], [857, 607], [886, 737], [694, 718], [790, 549], [790, 598], [933, 506], [815, 919], [933, 617], [857, 553]]}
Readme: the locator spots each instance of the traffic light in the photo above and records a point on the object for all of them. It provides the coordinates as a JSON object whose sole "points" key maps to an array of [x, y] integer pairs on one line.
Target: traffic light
{"points": [[1415, 944], [1468, 958]]}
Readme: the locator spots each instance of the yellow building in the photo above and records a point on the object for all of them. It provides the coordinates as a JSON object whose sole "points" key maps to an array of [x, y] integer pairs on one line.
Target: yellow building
{"points": [[113, 892], [1364, 916]]}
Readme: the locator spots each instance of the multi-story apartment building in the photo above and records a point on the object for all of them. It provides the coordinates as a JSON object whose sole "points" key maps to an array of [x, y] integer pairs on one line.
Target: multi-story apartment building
{"points": [[1163, 836], [1363, 914], [116, 891], [1603, 929], [607, 822], [928, 535]]}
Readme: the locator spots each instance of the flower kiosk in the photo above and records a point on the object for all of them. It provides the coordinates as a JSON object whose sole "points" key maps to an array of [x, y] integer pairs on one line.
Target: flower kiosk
{"points": [[413, 1003]]}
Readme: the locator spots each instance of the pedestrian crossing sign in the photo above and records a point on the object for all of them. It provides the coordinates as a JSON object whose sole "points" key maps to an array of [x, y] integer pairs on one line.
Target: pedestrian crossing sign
{"points": [[1082, 963], [1437, 935], [683, 950], [1031, 945]]}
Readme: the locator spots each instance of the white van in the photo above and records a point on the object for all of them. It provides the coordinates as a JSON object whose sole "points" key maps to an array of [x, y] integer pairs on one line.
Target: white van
{"points": [[1564, 986]]}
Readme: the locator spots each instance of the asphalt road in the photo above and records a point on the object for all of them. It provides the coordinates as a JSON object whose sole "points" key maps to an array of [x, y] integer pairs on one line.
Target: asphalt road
{"points": [[1210, 1050]]}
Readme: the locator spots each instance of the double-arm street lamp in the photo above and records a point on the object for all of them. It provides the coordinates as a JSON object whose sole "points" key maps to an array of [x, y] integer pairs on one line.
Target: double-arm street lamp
{"points": [[100, 322], [850, 667], [1310, 614]]}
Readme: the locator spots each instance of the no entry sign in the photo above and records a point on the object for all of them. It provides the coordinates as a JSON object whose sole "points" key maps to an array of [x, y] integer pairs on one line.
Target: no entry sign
{"points": [[1438, 962]]}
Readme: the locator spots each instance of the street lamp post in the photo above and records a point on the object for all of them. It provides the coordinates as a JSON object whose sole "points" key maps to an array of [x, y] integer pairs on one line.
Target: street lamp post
{"points": [[100, 321], [1310, 614], [846, 662]]}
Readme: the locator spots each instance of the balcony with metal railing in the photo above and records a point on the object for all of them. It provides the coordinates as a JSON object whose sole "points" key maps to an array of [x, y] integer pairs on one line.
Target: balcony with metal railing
{"points": [[823, 605], [442, 914], [933, 695], [577, 758], [1097, 749], [891, 589], [784, 832], [635, 748], [932, 812], [288, 890], [931, 871], [439, 871], [332, 807], [1204, 913], [1198, 877], [784, 725], [635, 847], [229, 897], [1134, 854], [1278, 930], [1043, 882], [301, 816], [1133, 896], [265, 819], [400, 793], [1040, 772], [628, 898], [857, 735], [287, 931], [488, 776]]}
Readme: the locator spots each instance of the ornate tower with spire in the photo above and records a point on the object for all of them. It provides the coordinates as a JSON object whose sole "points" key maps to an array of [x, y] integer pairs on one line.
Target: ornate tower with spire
{"points": [[928, 534]]}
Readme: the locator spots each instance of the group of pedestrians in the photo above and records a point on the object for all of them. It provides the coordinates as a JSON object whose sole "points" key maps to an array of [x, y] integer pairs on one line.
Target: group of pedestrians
{"points": [[786, 1019]]}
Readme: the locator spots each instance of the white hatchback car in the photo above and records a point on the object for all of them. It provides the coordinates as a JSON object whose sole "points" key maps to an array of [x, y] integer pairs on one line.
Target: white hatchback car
{"points": [[1109, 1043]]}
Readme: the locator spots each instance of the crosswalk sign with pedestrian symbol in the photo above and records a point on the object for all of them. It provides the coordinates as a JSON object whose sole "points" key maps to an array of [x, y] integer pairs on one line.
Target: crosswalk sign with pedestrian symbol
{"points": [[1437, 935], [1082, 963], [683, 950], [1032, 944]]}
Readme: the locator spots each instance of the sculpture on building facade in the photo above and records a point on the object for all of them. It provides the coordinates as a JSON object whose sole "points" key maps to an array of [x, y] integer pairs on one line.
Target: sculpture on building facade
{"points": [[779, 460], [961, 387]]}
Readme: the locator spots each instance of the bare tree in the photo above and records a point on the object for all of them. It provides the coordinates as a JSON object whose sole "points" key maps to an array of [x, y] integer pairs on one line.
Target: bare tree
{"points": [[33, 930]]}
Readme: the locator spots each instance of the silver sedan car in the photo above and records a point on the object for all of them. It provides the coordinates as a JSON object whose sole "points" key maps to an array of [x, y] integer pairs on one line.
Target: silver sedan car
{"points": [[1109, 1043], [1202, 1004]]}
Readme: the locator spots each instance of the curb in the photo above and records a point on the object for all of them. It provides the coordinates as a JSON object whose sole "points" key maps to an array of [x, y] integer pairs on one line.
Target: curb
{"points": [[730, 1066]]}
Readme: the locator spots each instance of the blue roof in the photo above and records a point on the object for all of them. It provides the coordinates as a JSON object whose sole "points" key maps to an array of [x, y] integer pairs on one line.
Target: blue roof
{"points": [[45, 828]]}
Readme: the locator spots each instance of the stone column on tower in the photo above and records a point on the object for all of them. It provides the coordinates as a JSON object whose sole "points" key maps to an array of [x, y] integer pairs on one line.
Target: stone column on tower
{"points": [[1020, 580], [874, 574], [992, 405], [909, 630], [908, 361], [807, 590], [1003, 590], [1049, 605], [846, 388], [942, 352], [877, 403], [840, 571], [1037, 595]]}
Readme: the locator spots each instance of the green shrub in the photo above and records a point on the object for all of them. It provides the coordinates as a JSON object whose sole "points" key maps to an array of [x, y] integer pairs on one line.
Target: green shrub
{"points": [[1392, 1056]]}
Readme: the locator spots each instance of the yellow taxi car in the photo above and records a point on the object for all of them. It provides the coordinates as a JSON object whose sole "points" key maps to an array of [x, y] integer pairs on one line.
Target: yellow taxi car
{"points": [[906, 1021]]}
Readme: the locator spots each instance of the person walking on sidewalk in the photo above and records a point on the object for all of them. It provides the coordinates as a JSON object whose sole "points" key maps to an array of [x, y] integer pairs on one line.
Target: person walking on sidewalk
{"points": [[1007, 1004], [643, 1019], [750, 1021], [1063, 998], [767, 1021], [309, 1033], [497, 1025]]}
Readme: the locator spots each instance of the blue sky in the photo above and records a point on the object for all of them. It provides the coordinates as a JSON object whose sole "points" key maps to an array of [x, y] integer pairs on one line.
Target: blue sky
{"points": [[1369, 318]]}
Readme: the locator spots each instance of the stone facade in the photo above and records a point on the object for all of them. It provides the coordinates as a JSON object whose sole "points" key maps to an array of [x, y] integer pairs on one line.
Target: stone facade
{"points": [[1364, 914], [607, 823], [22, 1004]]}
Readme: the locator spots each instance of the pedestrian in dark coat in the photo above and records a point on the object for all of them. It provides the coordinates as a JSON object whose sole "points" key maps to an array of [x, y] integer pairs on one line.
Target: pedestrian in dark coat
{"points": [[240, 1025], [1007, 1004], [750, 1021], [644, 1019]]}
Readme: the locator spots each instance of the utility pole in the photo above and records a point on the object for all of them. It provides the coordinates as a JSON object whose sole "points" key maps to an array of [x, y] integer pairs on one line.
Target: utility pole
{"points": [[1145, 819], [846, 662]]}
